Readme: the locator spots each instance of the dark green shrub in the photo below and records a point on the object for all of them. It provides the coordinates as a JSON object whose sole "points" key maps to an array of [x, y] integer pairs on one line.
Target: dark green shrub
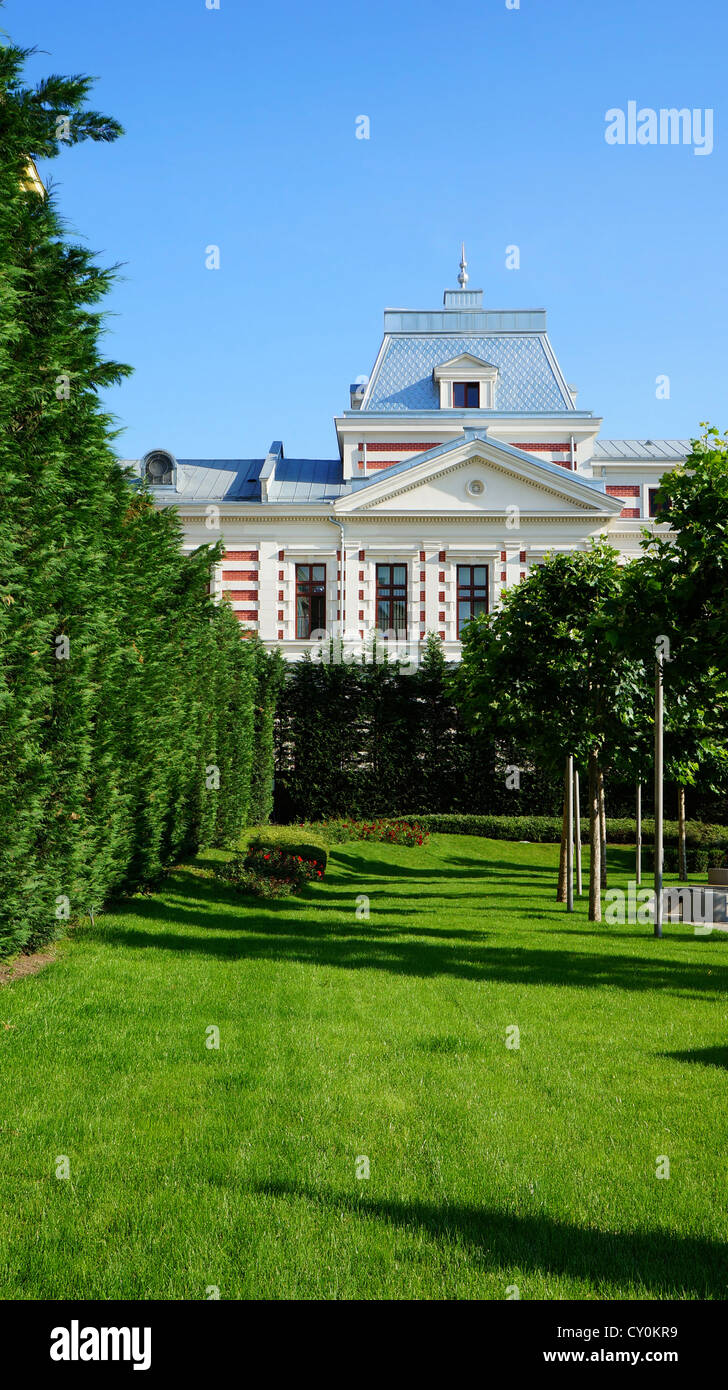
{"points": [[247, 881], [294, 839], [363, 740], [270, 872], [547, 829], [269, 676], [390, 832]]}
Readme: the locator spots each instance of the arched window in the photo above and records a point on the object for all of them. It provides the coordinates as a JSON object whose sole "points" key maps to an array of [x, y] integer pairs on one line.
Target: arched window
{"points": [[159, 468]]}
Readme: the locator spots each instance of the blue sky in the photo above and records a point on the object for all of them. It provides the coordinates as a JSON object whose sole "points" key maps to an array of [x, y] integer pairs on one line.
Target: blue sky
{"points": [[486, 123]]}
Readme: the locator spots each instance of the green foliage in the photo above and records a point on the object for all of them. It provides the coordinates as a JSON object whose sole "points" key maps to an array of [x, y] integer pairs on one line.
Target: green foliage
{"points": [[330, 719], [699, 858], [293, 839], [547, 830], [540, 668], [674, 600], [388, 832], [692, 578], [267, 871], [320, 708], [269, 676], [126, 696], [360, 739], [249, 882]]}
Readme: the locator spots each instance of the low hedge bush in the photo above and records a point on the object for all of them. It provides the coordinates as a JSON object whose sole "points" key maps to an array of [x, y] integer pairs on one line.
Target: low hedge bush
{"points": [[547, 830], [248, 881], [699, 859], [271, 873], [298, 840], [389, 832]]}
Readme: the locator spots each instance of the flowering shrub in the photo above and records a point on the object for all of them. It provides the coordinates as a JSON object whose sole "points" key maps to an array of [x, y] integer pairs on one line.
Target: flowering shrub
{"points": [[390, 832], [270, 873], [277, 863]]}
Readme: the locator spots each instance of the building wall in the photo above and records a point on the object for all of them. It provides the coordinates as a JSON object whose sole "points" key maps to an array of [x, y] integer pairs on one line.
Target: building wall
{"points": [[259, 567]]}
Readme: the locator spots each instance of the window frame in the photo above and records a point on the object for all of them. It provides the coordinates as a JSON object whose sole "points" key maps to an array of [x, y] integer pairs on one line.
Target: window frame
{"points": [[467, 386], [384, 593], [468, 592], [653, 510], [305, 590]]}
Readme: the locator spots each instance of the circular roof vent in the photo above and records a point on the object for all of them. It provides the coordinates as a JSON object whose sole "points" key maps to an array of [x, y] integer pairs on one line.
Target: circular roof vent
{"points": [[158, 467], [475, 488]]}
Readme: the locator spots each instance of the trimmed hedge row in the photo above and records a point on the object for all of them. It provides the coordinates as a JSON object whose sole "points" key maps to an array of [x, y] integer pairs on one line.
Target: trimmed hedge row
{"points": [[364, 740], [711, 839], [699, 859]]}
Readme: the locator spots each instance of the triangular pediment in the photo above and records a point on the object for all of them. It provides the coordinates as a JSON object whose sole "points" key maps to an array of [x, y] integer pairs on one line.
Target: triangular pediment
{"points": [[465, 361], [478, 477]]}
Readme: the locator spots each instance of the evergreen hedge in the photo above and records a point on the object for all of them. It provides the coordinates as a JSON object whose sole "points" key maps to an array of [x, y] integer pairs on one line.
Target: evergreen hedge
{"points": [[129, 728], [708, 842], [362, 739]]}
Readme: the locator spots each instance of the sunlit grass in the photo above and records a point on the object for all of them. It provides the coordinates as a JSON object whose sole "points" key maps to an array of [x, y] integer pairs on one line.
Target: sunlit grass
{"points": [[344, 1039]]}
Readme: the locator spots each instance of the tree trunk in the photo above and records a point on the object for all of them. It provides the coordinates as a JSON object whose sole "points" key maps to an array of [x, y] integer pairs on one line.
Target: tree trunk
{"points": [[638, 835], [595, 852], [682, 834], [570, 834], [561, 890], [577, 831], [602, 830]]}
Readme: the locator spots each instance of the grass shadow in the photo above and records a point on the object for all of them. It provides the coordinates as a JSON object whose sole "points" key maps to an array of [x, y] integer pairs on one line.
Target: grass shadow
{"points": [[359, 948], [665, 1265], [704, 1056]]}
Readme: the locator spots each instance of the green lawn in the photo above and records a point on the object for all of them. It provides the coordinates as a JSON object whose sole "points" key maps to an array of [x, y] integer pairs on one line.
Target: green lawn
{"points": [[342, 1038]]}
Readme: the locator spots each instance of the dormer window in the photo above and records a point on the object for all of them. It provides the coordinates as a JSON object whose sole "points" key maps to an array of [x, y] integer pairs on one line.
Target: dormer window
{"points": [[466, 395], [466, 382], [158, 467]]}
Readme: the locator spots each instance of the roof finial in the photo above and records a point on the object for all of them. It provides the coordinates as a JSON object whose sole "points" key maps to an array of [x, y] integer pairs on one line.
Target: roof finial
{"points": [[463, 277]]}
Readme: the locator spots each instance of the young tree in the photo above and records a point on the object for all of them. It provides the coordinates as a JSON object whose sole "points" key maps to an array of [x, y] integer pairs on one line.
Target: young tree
{"points": [[539, 669], [674, 601]]}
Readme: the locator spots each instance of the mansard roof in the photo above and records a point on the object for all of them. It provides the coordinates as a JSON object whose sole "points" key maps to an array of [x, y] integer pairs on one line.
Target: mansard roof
{"points": [[515, 341], [529, 375]]}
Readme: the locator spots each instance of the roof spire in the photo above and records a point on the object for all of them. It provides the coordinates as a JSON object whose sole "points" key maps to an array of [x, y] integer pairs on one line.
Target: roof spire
{"points": [[463, 277]]}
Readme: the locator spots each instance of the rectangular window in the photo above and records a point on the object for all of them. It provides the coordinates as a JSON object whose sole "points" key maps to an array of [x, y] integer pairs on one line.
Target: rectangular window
{"points": [[392, 599], [466, 394], [310, 600], [472, 593], [655, 507]]}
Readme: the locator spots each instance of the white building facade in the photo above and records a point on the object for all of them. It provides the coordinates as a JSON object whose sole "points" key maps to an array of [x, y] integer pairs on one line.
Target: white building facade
{"points": [[462, 461]]}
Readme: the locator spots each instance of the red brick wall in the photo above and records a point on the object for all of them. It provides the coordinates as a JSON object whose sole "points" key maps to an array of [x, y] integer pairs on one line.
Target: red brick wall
{"points": [[248, 595], [398, 448], [544, 447]]}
